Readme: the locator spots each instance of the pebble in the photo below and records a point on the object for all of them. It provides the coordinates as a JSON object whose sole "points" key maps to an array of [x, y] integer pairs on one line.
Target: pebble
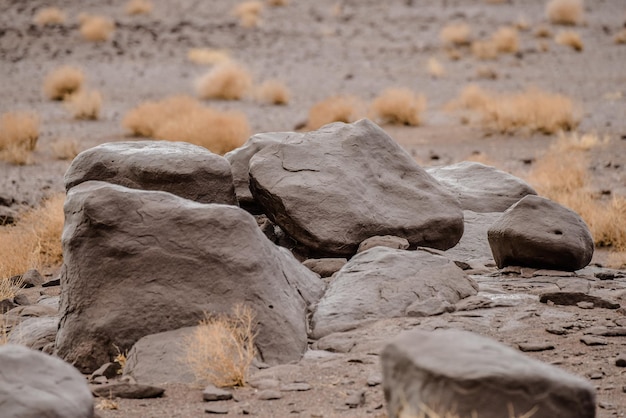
{"points": [[528, 347], [585, 305], [265, 384], [556, 331], [212, 393], [596, 375], [268, 395], [216, 409], [356, 399], [295, 387], [374, 380], [592, 341], [621, 360]]}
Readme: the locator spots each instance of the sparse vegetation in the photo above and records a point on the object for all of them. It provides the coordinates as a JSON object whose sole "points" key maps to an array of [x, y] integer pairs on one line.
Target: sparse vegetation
{"points": [[565, 12], [221, 349], [49, 16], [333, 109], [105, 404], [249, 13], [208, 56], [138, 7], [506, 40], [85, 104], [277, 3], [484, 50], [96, 28], [571, 39], [227, 81], [456, 34], [62, 82], [620, 38], [533, 110], [19, 132], [543, 32], [65, 149], [182, 118], [273, 92], [435, 68], [399, 106]]}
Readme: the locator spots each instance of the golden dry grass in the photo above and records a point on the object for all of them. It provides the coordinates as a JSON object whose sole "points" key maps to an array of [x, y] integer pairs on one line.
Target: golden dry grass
{"points": [[333, 109], [399, 106], [522, 23], [19, 132], [208, 56], [456, 34], [543, 32], [138, 7], [105, 404], [533, 110], [221, 349], [484, 50], [565, 12], [487, 73], [277, 3], [248, 13], [96, 28], [63, 81], [273, 92], [49, 16], [65, 148], [571, 39], [506, 40], [616, 260], [620, 37], [435, 68], [84, 104], [227, 81], [182, 118], [34, 241]]}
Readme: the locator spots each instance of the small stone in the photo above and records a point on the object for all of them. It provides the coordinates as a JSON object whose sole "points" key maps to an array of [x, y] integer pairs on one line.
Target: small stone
{"points": [[21, 299], [374, 379], [606, 331], [212, 393], [99, 380], [216, 409], [32, 278], [620, 361], [6, 305], [52, 282], [268, 395], [128, 391], [533, 347], [384, 241], [585, 305], [108, 370], [325, 267], [356, 399], [556, 331], [605, 275], [295, 387], [592, 341], [595, 375], [265, 384]]}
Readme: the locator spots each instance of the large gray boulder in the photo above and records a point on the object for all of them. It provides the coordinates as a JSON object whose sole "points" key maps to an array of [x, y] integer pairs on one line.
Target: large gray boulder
{"points": [[537, 232], [387, 283], [183, 169], [142, 262], [476, 376], [239, 160], [36, 385], [481, 188], [332, 188]]}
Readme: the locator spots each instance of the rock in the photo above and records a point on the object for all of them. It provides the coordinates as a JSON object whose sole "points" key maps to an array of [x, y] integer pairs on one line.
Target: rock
{"points": [[386, 283], [264, 384], [21, 299], [535, 347], [537, 232], [171, 255], [108, 370], [355, 399], [32, 278], [6, 305], [212, 393], [374, 379], [620, 361], [325, 267], [574, 298], [592, 341], [216, 409], [473, 244], [269, 395], [127, 391], [52, 282], [34, 311], [332, 188], [388, 241], [481, 188], [7, 216], [606, 331], [35, 333], [186, 170], [33, 384], [295, 387], [585, 305], [453, 367], [239, 160]]}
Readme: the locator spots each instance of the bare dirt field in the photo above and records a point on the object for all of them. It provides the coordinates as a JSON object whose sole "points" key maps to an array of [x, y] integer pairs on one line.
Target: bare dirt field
{"points": [[359, 48]]}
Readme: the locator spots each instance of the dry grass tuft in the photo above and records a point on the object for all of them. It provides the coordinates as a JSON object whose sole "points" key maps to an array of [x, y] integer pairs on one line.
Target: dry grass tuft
{"points": [[486, 73], [138, 7], [333, 109], [277, 3], [85, 104], [273, 92], [105, 404], [182, 118], [49, 16], [249, 13], [522, 23], [484, 50], [533, 110], [620, 38], [399, 106], [543, 32], [65, 149], [506, 40], [19, 132], [569, 38], [435, 68], [34, 241], [565, 12], [228, 81], [62, 82], [615, 260], [207, 56], [221, 349], [96, 28], [456, 34]]}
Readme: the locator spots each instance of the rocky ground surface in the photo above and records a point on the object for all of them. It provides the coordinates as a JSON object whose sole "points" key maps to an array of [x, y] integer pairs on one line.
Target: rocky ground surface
{"points": [[365, 48]]}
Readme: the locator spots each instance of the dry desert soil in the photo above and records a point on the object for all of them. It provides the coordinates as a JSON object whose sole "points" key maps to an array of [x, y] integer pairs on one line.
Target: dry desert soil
{"points": [[355, 47]]}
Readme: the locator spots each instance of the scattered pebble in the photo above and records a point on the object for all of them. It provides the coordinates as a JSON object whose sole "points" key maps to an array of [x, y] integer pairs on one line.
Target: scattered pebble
{"points": [[528, 347], [212, 393], [621, 360], [356, 399], [295, 387], [268, 395], [216, 409], [374, 380], [592, 341]]}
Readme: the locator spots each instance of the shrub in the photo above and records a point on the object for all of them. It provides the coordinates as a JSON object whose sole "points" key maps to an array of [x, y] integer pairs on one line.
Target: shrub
{"points": [[62, 82], [565, 12], [96, 28], [138, 7], [333, 109], [277, 3], [19, 132], [182, 118], [273, 92], [620, 38], [456, 34], [65, 149], [221, 349], [484, 50], [569, 38], [435, 68], [506, 40], [49, 16], [228, 81], [207, 56], [248, 13], [399, 106], [84, 104], [543, 32]]}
